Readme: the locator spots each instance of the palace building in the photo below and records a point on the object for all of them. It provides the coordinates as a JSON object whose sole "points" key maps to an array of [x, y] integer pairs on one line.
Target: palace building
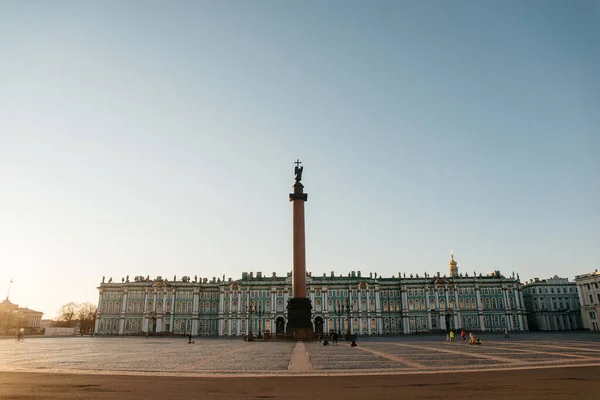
{"points": [[363, 305], [588, 288], [552, 304]]}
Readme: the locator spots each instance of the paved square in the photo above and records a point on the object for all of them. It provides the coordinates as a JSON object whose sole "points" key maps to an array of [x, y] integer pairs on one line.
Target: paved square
{"points": [[375, 355]]}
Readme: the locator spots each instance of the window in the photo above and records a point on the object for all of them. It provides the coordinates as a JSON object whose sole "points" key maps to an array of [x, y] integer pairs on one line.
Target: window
{"points": [[591, 300]]}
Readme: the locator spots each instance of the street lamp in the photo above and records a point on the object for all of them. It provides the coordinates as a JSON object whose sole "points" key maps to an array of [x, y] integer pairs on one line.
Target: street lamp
{"points": [[389, 309], [259, 313], [348, 310], [250, 309]]}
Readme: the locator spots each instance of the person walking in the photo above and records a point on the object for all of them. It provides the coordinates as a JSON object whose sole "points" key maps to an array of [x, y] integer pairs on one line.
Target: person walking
{"points": [[452, 336], [506, 333]]}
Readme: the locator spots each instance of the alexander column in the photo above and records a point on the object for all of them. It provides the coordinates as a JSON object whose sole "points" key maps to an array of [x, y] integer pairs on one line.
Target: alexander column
{"points": [[299, 323]]}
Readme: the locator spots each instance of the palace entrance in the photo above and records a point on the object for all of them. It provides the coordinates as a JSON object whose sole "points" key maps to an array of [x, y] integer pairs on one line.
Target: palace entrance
{"points": [[280, 325], [319, 325]]}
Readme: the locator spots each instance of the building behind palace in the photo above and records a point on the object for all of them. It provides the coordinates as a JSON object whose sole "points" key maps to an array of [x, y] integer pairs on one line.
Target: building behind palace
{"points": [[588, 287], [373, 305], [14, 318], [552, 304]]}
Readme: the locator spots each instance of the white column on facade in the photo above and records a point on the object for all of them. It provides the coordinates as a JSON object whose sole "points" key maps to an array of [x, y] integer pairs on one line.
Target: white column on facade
{"points": [[517, 301], [221, 301], [239, 326], [273, 301], [404, 312], [171, 327], [122, 316], [447, 297], [145, 301], [437, 298], [428, 308], [377, 305]]}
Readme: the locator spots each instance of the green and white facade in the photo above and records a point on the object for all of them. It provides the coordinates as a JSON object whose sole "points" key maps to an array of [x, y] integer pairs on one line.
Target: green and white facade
{"points": [[373, 305]]}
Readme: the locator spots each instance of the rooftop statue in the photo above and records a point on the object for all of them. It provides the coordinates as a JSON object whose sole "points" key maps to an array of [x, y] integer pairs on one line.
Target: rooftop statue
{"points": [[298, 170]]}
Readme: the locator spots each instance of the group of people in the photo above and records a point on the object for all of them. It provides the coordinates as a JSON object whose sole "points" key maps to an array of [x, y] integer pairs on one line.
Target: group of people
{"points": [[463, 338], [334, 336]]}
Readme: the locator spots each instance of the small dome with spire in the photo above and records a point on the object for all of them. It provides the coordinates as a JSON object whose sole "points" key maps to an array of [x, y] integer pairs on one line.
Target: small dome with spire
{"points": [[453, 266]]}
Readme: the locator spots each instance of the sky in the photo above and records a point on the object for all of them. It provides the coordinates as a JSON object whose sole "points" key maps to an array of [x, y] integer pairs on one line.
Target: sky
{"points": [[158, 138]]}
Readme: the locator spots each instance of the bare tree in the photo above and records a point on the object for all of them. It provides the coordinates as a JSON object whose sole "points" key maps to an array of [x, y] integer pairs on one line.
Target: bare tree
{"points": [[68, 314], [82, 315], [86, 314]]}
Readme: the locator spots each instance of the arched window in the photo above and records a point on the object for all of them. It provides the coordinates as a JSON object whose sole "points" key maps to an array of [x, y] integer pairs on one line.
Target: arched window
{"points": [[201, 308], [129, 305], [423, 305], [494, 304], [501, 303], [442, 304], [110, 307], [452, 302], [176, 325], [279, 305], [159, 306], [127, 325], [117, 309], [372, 305], [189, 308], [411, 305], [108, 325], [373, 325], [103, 306], [149, 305], [473, 303], [467, 304], [169, 308], [461, 303], [318, 305], [487, 304], [431, 304], [363, 307]]}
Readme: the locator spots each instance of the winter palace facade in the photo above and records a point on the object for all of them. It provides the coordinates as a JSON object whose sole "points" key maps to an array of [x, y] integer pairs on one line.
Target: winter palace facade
{"points": [[372, 305]]}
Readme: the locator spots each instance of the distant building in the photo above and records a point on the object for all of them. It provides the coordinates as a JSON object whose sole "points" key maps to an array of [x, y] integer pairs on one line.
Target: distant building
{"points": [[588, 287], [370, 305], [13, 318], [552, 304]]}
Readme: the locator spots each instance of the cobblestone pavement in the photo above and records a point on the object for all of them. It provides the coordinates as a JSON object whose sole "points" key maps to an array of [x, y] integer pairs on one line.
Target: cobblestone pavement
{"points": [[374, 355]]}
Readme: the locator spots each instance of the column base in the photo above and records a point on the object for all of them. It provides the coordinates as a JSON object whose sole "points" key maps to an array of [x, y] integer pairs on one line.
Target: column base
{"points": [[299, 324]]}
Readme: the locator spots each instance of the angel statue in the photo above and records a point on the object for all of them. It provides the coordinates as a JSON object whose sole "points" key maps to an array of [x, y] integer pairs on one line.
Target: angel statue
{"points": [[298, 170]]}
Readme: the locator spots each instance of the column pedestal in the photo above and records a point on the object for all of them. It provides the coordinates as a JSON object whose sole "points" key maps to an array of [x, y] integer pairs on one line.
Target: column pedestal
{"points": [[299, 324]]}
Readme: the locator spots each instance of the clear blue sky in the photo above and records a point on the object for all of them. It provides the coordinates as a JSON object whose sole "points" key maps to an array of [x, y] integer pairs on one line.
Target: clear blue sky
{"points": [[158, 138]]}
